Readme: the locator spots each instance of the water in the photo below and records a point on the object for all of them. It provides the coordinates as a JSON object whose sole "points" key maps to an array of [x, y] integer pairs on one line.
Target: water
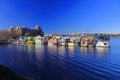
{"points": [[63, 63]]}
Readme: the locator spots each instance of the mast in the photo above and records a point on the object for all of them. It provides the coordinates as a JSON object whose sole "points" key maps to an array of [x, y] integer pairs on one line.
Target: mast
{"points": [[82, 32]]}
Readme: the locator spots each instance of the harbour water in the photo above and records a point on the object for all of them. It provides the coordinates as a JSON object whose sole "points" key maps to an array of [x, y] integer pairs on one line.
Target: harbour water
{"points": [[63, 63]]}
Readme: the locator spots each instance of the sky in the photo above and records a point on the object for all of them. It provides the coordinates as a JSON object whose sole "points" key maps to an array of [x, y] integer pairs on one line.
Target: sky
{"points": [[62, 16]]}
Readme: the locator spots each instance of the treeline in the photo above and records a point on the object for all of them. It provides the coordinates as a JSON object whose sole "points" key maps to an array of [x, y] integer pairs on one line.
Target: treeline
{"points": [[7, 35]]}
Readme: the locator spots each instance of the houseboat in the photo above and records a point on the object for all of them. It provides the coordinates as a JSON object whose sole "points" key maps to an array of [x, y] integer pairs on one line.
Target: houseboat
{"points": [[50, 41], [76, 40], [21, 40], [102, 41], [53, 41], [39, 40], [71, 42], [87, 41], [30, 40], [64, 41]]}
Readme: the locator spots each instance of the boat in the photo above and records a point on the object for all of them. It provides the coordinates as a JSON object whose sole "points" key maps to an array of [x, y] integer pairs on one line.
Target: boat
{"points": [[64, 41], [102, 41], [71, 43], [84, 42], [76, 39], [21, 40], [39, 40], [53, 41], [30, 40], [87, 41]]}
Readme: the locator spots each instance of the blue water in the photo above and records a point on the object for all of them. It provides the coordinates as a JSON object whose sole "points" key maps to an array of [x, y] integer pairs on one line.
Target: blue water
{"points": [[63, 63]]}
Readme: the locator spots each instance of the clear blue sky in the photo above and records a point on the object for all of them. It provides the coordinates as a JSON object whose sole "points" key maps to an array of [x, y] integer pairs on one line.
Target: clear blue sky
{"points": [[62, 16]]}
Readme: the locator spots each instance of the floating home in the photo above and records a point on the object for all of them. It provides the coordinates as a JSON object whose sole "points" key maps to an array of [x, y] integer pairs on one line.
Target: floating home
{"points": [[83, 41], [22, 40], [71, 42], [102, 41], [76, 40], [87, 41], [39, 40], [53, 41], [64, 41], [30, 40]]}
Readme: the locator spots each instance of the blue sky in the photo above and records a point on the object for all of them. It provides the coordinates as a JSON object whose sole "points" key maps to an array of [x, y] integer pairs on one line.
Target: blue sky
{"points": [[62, 16]]}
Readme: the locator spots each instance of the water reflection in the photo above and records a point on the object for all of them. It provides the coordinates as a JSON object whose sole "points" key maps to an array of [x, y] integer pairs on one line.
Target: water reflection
{"points": [[39, 49], [101, 52], [84, 51], [98, 52], [91, 50], [30, 47], [71, 50], [39, 52], [52, 48], [62, 49]]}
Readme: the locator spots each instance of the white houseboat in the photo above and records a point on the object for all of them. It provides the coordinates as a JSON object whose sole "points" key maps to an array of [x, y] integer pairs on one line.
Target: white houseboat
{"points": [[39, 40], [102, 41], [71, 42], [64, 41]]}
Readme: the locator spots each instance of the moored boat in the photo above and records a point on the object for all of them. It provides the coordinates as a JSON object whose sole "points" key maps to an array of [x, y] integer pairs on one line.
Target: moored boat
{"points": [[87, 41], [102, 41], [71, 43], [64, 41], [30, 40], [39, 40]]}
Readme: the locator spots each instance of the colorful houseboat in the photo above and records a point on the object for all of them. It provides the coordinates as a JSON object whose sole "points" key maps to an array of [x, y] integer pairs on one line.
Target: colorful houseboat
{"points": [[64, 41], [87, 41], [21, 40], [71, 42], [53, 41], [30, 40]]}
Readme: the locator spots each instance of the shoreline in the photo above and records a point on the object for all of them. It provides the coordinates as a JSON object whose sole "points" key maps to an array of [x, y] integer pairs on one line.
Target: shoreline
{"points": [[7, 74]]}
